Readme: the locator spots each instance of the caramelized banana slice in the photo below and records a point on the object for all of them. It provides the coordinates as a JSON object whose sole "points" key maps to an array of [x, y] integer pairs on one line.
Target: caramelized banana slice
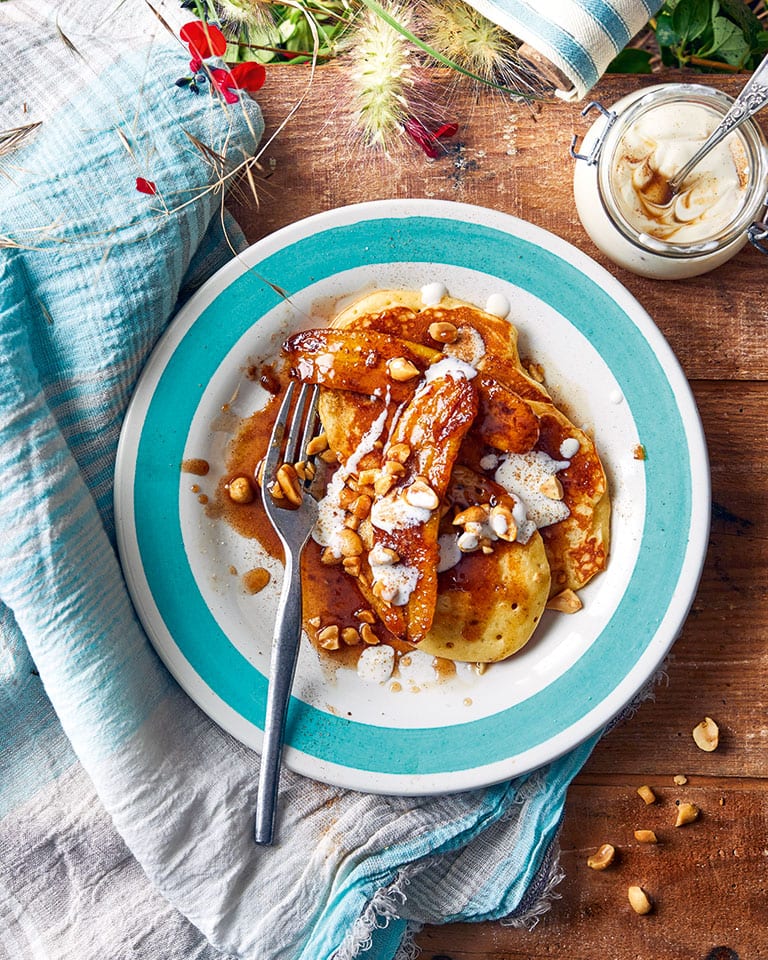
{"points": [[377, 364], [400, 574], [372, 363], [505, 421]]}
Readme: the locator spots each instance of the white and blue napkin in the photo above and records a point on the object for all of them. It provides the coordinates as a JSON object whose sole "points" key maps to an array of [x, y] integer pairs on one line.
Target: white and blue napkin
{"points": [[577, 37]]}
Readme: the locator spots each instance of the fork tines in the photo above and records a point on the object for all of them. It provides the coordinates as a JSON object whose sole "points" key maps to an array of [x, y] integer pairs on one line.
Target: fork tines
{"points": [[293, 429]]}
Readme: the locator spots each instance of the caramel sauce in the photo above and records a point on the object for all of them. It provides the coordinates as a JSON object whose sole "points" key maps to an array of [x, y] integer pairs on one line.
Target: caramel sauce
{"points": [[445, 669], [656, 192], [196, 466], [255, 580], [471, 576]]}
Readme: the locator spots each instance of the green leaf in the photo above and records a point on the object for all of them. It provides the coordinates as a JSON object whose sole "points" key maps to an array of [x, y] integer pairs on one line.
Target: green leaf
{"points": [[691, 18], [666, 35], [630, 60], [286, 30], [730, 43], [744, 17]]}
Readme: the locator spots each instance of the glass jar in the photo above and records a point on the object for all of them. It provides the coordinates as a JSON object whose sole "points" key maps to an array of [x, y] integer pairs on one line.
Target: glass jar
{"points": [[623, 165]]}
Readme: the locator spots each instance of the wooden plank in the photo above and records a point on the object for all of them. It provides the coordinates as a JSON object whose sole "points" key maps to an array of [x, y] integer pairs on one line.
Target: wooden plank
{"points": [[708, 881], [512, 158], [719, 664]]}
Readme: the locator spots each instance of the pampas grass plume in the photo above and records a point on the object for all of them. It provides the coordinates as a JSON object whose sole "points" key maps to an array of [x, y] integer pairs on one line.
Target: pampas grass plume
{"points": [[460, 33], [380, 69]]}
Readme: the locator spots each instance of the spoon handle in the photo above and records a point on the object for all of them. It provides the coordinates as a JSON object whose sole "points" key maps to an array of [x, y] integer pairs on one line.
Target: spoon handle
{"points": [[752, 98]]}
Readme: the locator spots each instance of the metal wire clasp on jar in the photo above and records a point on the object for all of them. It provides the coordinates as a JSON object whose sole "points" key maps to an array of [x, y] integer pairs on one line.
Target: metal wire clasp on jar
{"points": [[621, 182]]}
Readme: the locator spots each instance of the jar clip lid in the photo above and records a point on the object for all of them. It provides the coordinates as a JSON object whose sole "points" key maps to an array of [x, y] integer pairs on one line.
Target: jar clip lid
{"points": [[758, 232], [594, 153]]}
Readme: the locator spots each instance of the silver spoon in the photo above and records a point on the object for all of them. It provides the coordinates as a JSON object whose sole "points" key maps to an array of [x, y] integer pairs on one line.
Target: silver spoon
{"points": [[752, 98]]}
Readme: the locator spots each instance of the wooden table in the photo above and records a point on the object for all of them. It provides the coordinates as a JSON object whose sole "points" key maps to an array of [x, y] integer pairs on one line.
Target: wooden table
{"points": [[708, 880]]}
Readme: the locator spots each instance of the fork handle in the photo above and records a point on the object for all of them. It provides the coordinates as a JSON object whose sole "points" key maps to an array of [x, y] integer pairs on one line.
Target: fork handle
{"points": [[285, 649]]}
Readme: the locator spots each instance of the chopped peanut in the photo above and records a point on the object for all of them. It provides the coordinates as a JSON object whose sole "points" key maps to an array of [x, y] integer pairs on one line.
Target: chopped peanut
{"points": [[420, 494], [367, 635], [565, 602], [329, 558], [686, 813], [328, 638], [646, 836], [240, 490], [350, 543], [350, 636], [443, 331], [393, 468], [352, 565], [706, 735], [647, 794], [552, 488], [367, 476], [360, 507], [473, 514], [288, 482], [383, 484], [317, 445], [639, 900], [468, 542], [401, 369], [383, 556], [680, 779], [603, 857], [399, 452], [503, 523]]}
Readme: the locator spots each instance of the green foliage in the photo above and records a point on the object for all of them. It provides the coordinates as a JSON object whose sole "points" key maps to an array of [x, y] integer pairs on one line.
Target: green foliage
{"points": [[277, 32], [706, 33], [631, 60]]}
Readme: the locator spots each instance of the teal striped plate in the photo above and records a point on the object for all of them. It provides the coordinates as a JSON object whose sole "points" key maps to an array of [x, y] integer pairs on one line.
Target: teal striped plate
{"points": [[604, 358]]}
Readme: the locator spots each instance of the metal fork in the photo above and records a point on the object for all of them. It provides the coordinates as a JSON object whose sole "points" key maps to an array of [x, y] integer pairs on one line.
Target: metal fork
{"points": [[292, 432]]}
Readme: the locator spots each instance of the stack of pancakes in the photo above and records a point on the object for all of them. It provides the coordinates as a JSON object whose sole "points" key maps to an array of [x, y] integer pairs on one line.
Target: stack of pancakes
{"points": [[420, 404]]}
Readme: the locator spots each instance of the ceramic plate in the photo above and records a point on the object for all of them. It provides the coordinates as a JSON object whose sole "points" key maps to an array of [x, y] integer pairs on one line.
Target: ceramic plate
{"points": [[603, 358]]}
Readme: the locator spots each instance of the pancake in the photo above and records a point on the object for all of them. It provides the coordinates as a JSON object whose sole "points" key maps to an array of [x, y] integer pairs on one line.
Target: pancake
{"points": [[437, 397]]}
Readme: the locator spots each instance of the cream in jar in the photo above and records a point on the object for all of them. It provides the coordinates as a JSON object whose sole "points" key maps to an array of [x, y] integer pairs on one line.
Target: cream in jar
{"points": [[649, 154], [621, 182]]}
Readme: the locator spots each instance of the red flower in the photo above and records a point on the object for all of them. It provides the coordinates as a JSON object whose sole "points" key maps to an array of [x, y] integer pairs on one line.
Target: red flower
{"points": [[204, 40], [146, 186], [428, 139], [248, 76]]}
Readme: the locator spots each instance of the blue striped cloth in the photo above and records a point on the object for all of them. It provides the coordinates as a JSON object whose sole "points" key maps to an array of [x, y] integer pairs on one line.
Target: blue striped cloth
{"points": [[578, 37], [125, 813]]}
